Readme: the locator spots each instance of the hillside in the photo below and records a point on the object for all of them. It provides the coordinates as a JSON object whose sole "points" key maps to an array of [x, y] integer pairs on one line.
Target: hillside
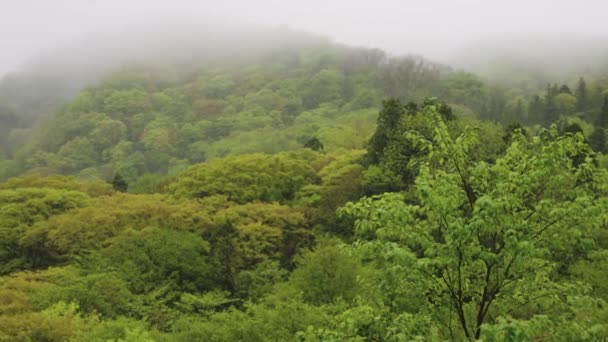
{"points": [[148, 117], [296, 189]]}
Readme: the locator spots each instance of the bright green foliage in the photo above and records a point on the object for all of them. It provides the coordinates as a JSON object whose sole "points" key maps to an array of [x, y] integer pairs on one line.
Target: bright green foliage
{"points": [[248, 178], [326, 274], [488, 240], [148, 258], [260, 196], [20, 209], [92, 226], [93, 189]]}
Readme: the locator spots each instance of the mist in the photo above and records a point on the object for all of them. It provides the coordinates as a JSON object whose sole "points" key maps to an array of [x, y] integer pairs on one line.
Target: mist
{"points": [[438, 29]]}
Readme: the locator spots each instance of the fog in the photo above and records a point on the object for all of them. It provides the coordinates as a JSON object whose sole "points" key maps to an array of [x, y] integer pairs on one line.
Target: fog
{"points": [[435, 28]]}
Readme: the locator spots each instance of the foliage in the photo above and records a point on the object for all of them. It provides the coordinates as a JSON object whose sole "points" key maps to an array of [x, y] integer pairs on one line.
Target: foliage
{"points": [[485, 239], [274, 195]]}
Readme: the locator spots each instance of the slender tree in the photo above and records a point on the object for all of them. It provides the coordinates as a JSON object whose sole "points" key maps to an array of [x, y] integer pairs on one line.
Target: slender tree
{"points": [[388, 120], [597, 140], [582, 95], [602, 120]]}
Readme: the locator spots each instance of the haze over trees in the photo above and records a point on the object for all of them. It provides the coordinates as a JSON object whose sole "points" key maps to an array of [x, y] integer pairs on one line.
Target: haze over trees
{"points": [[288, 188]]}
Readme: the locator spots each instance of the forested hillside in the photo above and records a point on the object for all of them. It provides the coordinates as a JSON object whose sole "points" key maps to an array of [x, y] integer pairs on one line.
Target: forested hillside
{"points": [[303, 191]]}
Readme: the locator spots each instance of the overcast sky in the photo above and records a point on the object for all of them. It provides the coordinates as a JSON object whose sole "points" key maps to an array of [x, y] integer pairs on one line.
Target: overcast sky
{"points": [[429, 27]]}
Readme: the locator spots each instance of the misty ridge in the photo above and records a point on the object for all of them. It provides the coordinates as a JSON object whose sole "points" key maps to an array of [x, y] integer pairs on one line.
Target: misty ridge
{"points": [[52, 77]]}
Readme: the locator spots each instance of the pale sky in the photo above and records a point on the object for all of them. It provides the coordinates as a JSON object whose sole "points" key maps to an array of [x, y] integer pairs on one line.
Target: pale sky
{"points": [[429, 27]]}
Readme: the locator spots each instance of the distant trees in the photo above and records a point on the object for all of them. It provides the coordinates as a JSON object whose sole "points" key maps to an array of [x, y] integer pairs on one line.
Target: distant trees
{"points": [[259, 201]]}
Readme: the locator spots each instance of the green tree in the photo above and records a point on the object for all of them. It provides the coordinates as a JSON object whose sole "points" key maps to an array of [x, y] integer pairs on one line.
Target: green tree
{"points": [[326, 274], [602, 120], [565, 103], [76, 155], [119, 183], [388, 121], [582, 95], [536, 109], [597, 140], [314, 144], [485, 238]]}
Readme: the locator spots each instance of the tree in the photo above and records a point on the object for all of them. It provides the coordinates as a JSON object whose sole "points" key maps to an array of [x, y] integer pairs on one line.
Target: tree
{"points": [[514, 128], [565, 103], [602, 120], [314, 144], [119, 184], [326, 274], [536, 109], [485, 238], [388, 121], [551, 110], [564, 89], [76, 155], [597, 140], [582, 95], [325, 86]]}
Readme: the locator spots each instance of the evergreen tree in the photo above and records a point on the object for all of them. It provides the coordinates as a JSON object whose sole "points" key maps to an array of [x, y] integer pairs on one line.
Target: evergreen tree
{"points": [[314, 144], [388, 120], [519, 112], [119, 183], [602, 120], [564, 89], [537, 109], [582, 95], [551, 112], [597, 140]]}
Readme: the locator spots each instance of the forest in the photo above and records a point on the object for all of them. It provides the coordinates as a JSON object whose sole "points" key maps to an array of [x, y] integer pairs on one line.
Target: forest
{"points": [[303, 190]]}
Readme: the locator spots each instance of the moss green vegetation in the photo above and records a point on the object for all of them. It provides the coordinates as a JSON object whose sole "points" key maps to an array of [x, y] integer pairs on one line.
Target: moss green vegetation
{"points": [[319, 194]]}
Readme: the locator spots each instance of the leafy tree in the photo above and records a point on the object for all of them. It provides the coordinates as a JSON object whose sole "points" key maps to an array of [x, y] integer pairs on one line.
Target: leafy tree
{"points": [[247, 178], [326, 274], [20, 210], [152, 258], [77, 154], [485, 238], [565, 103]]}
